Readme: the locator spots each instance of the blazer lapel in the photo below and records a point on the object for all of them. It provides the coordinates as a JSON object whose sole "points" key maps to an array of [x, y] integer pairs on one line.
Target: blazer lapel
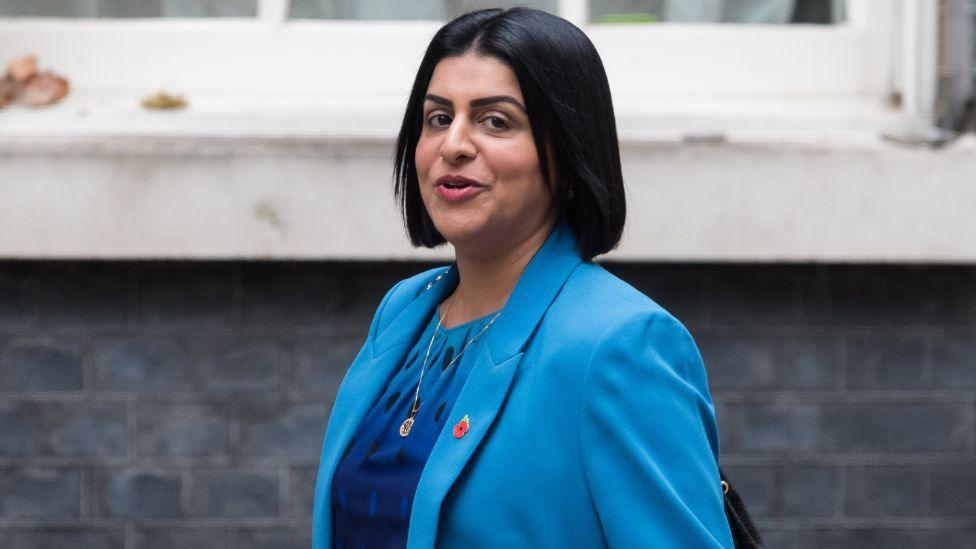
{"points": [[481, 397], [365, 380], [490, 379]]}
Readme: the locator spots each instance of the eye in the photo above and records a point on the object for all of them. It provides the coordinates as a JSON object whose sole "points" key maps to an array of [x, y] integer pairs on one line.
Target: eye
{"points": [[497, 123], [433, 120]]}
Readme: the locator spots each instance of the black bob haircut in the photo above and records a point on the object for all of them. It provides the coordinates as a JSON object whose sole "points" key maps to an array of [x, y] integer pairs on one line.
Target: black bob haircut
{"points": [[567, 100]]}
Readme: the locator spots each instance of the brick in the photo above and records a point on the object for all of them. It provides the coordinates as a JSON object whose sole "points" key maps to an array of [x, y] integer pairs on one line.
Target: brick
{"points": [[757, 485], [953, 491], [886, 491], [40, 492], [274, 538], [887, 361], [37, 364], [808, 491], [83, 294], [45, 428], [887, 295], [21, 432], [138, 492], [182, 429], [18, 293], [885, 536], [89, 429], [680, 289], [777, 538], [750, 296], [243, 363], [318, 363], [62, 538], [300, 293], [954, 362], [747, 361], [324, 293], [136, 363], [880, 427], [304, 322], [235, 493], [200, 363], [762, 428], [301, 491], [184, 293], [183, 537], [287, 429]]}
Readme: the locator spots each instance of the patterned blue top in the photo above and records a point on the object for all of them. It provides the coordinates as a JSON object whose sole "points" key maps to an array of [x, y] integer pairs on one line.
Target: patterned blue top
{"points": [[377, 477]]}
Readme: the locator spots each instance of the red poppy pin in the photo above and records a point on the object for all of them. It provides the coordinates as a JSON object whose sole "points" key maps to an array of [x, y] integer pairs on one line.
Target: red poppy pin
{"points": [[461, 427]]}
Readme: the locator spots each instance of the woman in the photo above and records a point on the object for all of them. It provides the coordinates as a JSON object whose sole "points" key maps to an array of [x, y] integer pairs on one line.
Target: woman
{"points": [[522, 396]]}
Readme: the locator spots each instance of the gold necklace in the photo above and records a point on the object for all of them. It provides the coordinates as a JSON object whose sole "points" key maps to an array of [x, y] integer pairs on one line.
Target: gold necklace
{"points": [[408, 423]]}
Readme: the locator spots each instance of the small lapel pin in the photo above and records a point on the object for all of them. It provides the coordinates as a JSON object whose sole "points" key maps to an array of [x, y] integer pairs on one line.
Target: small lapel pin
{"points": [[440, 276], [461, 427]]}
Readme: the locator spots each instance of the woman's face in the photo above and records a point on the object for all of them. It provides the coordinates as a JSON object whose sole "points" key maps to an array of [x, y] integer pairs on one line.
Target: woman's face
{"points": [[475, 126]]}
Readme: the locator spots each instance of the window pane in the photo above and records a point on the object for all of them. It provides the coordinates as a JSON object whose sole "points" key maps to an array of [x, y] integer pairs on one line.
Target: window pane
{"points": [[431, 10], [128, 8], [717, 11]]}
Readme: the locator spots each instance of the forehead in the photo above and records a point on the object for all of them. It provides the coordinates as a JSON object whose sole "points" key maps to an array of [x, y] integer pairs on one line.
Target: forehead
{"points": [[473, 75]]}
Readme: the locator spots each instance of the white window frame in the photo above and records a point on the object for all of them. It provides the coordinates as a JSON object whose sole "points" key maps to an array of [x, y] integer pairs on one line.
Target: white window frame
{"points": [[269, 75]]}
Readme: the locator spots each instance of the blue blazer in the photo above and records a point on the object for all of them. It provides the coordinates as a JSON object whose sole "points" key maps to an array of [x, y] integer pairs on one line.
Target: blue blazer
{"points": [[590, 420]]}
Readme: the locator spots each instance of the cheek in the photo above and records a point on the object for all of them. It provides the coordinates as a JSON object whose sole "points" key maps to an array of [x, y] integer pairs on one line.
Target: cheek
{"points": [[519, 166], [423, 156]]}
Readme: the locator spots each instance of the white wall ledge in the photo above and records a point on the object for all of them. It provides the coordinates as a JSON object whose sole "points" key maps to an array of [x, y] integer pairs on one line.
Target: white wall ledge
{"points": [[106, 113], [739, 200]]}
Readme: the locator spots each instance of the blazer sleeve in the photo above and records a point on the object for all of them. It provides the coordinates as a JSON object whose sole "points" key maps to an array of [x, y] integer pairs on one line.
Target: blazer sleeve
{"points": [[649, 440]]}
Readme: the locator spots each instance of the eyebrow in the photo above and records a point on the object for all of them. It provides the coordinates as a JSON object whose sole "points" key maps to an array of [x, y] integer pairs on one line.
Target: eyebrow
{"points": [[480, 102]]}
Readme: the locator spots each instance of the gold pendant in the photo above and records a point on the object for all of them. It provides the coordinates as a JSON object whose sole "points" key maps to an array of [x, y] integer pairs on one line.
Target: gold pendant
{"points": [[405, 427]]}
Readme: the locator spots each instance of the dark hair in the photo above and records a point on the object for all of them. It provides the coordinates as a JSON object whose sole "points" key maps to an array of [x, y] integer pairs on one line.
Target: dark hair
{"points": [[567, 100]]}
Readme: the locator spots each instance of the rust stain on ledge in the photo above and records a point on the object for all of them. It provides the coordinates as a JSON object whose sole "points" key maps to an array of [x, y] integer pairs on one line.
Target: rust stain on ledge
{"points": [[266, 211]]}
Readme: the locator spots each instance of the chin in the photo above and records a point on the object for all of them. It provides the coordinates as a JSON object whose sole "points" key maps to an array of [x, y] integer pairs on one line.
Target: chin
{"points": [[459, 230]]}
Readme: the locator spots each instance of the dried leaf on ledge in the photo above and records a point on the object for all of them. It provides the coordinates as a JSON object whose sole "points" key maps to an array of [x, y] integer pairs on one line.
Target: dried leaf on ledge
{"points": [[164, 101], [45, 88], [8, 91], [22, 68]]}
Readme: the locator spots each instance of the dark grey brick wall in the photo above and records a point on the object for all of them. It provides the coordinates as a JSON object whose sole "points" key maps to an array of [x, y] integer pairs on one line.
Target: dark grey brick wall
{"points": [[147, 405], [846, 395]]}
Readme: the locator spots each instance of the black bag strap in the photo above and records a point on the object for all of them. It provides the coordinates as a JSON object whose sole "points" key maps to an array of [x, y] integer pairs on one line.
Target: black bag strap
{"points": [[744, 532]]}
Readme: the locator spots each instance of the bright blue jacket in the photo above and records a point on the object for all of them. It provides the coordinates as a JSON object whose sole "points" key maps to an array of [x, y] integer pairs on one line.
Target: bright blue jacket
{"points": [[590, 420]]}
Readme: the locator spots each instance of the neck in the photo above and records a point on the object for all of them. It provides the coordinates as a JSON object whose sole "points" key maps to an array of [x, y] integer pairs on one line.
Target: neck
{"points": [[487, 280]]}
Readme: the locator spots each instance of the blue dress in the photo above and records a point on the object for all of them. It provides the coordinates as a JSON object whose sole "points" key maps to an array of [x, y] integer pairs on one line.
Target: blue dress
{"points": [[377, 477]]}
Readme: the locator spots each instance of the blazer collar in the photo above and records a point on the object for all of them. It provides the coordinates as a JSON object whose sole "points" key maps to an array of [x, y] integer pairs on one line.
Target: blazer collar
{"points": [[481, 397], [541, 279]]}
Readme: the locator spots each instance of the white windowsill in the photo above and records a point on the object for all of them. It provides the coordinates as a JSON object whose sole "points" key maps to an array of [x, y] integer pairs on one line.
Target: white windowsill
{"points": [[285, 177], [378, 116]]}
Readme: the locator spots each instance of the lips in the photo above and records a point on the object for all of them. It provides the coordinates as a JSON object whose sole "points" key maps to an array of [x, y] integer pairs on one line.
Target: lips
{"points": [[454, 188], [456, 182]]}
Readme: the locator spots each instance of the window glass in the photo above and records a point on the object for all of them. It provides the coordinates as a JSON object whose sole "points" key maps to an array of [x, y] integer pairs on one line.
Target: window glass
{"points": [[128, 8], [717, 11], [431, 10]]}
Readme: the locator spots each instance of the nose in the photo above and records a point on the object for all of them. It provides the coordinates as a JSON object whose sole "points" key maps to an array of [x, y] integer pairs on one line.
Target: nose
{"points": [[457, 144]]}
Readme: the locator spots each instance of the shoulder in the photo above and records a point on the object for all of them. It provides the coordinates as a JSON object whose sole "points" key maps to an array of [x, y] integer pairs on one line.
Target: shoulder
{"points": [[634, 344], [646, 419], [605, 306], [599, 324]]}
